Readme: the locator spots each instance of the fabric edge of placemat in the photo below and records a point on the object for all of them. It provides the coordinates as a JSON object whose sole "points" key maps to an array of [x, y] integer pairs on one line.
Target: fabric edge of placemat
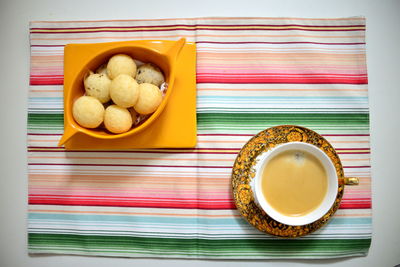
{"points": [[208, 257]]}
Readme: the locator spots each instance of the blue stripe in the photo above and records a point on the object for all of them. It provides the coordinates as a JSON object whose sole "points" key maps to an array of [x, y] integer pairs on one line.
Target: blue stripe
{"points": [[168, 220]]}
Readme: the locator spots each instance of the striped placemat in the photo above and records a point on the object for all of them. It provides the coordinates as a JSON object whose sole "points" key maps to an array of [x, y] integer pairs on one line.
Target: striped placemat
{"points": [[252, 73]]}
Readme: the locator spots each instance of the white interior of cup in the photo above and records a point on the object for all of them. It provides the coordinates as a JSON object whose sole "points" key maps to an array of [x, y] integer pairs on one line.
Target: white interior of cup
{"points": [[313, 215]]}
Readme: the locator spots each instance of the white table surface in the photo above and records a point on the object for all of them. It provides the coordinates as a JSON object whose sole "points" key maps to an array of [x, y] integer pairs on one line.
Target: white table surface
{"points": [[383, 38]]}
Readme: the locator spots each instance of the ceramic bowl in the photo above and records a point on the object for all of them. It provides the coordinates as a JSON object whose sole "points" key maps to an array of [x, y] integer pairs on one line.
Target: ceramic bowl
{"points": [[90, 56]]}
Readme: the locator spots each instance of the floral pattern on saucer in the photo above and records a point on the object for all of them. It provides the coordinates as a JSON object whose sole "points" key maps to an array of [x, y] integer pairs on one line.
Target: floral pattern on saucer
{"points": [[243, 172]]}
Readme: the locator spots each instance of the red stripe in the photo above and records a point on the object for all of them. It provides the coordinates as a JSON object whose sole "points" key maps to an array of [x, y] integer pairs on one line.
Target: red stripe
{"points": [[300, 80], [354, 153], [181, 203], [55, 196], [182, 28], [196, 151], [353, 204], [43, 134], [352, 148], [282, 75], [122, 198], [141, 152], [185, 29], [38, 80], [225, 134], [217, 134], [345, 135], [169, 203], [143, 165], [352, 167], [238, 80], [250, 42], [203, 25], [209, 42], [47, 45], [129, 151], [168, 152]]}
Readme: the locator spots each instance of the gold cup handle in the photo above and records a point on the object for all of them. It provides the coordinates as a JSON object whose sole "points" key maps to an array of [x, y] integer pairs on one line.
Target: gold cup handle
{"points": [[351, 181]]}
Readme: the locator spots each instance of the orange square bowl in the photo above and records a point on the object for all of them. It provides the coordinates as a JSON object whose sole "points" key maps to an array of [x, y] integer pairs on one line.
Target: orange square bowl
{"points": [[164, 54]]}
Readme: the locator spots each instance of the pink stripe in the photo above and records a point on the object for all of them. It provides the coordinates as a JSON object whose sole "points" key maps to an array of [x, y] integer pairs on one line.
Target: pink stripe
{"points": [[300, 80], [319, 43], [151, 165], [128, 165], [122, 193], [133, 150], [286, 70], [216, 134]]}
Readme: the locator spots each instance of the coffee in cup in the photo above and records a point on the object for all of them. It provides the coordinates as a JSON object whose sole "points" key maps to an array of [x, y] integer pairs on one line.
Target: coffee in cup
{"points": [[296, 183]]}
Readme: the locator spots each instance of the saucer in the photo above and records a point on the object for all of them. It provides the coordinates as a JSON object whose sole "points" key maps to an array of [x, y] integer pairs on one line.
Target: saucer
{"points": [[243, 172]]}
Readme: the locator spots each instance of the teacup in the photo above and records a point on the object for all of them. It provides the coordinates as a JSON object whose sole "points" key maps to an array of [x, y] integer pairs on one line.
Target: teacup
{"points": [[295, 183]]}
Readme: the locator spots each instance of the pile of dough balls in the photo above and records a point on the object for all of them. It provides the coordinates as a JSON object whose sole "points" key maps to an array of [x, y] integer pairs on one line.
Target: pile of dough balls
{"points": [[119, 94]]}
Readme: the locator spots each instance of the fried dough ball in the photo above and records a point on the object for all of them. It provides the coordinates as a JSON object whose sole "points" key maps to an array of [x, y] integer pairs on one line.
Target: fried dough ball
{"points": [[102, 69], [149, 73], [150, 98], [117, 119], [88, 111], [124, 91], [98, 86], [121, 64]]}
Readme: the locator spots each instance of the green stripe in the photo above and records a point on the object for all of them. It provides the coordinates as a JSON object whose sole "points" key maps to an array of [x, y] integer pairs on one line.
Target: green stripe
{"points": [[45, 118], [204, 119], [45, 121], [257, 118], [255, 122], [206, 247]]}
